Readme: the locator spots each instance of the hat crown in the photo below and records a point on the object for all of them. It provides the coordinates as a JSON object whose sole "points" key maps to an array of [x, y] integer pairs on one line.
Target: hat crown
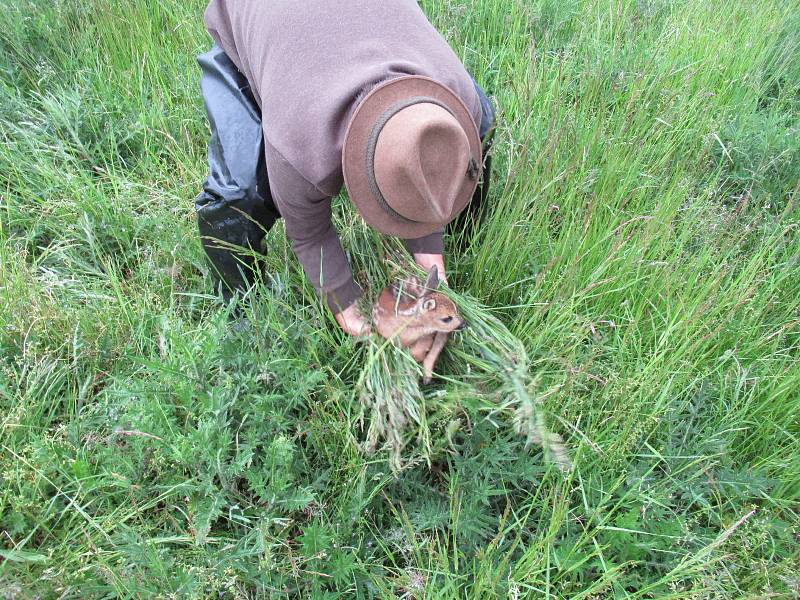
{"points": [[407, 189], [420, 162]]}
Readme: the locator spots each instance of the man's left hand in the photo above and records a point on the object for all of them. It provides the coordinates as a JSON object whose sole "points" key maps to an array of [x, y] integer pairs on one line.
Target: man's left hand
{"points": [[426, 261]]}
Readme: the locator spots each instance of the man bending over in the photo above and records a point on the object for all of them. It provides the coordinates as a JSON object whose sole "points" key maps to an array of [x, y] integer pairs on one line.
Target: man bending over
{"points": [[303, 97]]}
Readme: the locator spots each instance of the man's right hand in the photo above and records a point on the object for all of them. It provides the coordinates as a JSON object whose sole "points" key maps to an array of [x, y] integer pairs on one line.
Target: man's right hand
{"points": [[353, 322]]}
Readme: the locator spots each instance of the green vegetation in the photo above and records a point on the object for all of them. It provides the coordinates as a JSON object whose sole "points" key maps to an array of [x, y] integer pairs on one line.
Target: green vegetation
{"points": [[644, 248]]}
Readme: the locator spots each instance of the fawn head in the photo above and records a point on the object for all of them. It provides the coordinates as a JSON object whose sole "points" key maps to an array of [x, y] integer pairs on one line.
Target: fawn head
{"points": [[419, 307], [435, 310]]}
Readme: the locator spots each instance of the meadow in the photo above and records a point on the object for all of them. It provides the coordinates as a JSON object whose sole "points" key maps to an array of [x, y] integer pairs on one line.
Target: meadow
{"points": [[642, 249]]}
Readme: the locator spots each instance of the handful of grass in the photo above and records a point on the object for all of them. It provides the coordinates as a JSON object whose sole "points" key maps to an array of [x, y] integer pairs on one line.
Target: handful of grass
{"points": [[488, 363]]}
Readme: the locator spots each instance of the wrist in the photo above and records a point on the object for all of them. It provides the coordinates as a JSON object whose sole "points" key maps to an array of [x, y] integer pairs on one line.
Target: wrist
{"points": [[343, 297]]}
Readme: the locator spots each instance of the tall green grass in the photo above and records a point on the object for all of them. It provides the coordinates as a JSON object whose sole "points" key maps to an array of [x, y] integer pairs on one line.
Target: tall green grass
{"points": [[642, 246]]}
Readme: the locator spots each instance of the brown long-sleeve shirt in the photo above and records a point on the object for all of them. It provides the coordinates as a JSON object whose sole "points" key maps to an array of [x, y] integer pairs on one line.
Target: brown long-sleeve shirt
{"points": [[308, 63]]}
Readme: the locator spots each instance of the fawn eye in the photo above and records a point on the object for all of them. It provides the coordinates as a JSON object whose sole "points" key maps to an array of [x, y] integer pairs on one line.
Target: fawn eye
{"points": [[447, 319]]}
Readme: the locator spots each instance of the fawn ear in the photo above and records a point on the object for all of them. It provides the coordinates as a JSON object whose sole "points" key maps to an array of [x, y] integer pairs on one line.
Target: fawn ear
{"points": [[433, 278], [408, 289], [429, 304]]}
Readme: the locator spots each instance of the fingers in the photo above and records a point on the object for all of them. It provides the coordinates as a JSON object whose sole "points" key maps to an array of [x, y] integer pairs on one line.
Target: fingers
{"points": [[363, 329], [357, 329], [426, 261]]}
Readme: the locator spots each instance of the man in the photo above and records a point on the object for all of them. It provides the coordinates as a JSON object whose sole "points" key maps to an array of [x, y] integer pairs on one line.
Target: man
{"points": [[303, 96]]}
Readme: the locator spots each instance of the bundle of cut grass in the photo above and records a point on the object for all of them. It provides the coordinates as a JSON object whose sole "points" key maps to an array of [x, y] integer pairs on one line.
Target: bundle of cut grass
{"points": [[487, 363], [391, 400]]}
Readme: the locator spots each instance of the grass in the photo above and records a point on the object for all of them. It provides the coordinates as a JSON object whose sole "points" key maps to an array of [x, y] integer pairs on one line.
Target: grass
{"points": [[642, 249]]}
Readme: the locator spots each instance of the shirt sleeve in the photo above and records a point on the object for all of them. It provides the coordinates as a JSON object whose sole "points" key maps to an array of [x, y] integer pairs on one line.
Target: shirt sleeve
{"points": [[430, 244], [306, 212]]}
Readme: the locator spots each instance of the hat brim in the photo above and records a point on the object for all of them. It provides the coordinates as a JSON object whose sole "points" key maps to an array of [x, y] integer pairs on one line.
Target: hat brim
{"points": [[354, 151]]}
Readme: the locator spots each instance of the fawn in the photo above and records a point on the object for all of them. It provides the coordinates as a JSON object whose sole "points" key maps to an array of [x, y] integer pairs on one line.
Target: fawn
{"points": [[418, 317]]}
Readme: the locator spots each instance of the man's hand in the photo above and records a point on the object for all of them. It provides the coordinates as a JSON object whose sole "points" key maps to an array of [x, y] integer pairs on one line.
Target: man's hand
{"points": [[426, 261], [353, 322]]}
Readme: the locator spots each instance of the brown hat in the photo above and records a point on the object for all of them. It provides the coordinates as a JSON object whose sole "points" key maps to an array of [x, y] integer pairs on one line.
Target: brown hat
{"points": [[411, 157]]}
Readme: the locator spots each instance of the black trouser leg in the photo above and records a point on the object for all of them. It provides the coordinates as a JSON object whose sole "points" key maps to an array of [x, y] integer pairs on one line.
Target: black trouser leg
{"points": [[235, 208]]}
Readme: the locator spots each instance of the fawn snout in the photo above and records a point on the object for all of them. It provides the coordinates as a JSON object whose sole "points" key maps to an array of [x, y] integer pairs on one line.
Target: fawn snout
{"points": [[451, 323]]}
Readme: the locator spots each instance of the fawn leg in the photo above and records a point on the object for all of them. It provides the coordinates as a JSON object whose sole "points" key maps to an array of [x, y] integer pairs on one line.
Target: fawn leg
{"points": [[433, 354], [419, 349]]}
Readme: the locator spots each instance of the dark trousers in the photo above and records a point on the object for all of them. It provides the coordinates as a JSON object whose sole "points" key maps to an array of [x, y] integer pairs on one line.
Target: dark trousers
{"points": [[235, 209]]}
